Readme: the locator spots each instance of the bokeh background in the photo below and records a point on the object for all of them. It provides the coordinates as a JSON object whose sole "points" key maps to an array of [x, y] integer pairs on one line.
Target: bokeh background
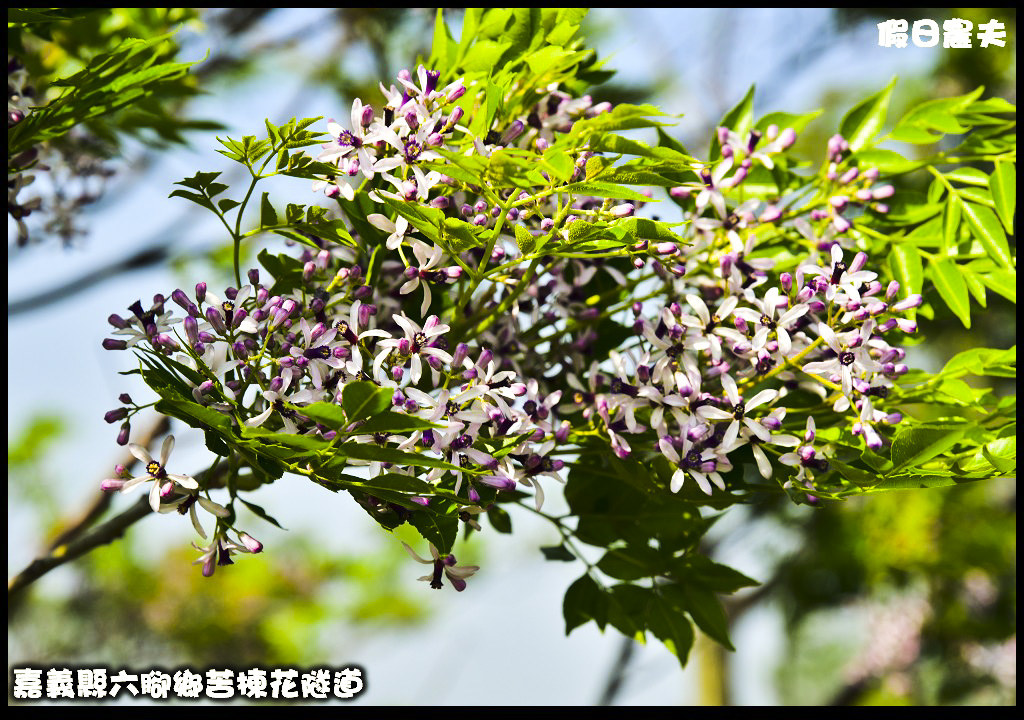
{"points": [[903, 598]]}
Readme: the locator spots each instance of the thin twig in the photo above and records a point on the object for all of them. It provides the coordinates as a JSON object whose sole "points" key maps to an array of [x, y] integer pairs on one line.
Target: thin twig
{"points": [[104, 534]]}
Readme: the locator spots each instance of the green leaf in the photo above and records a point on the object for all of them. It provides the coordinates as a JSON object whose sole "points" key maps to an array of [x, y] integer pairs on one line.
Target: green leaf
{"points": [[669, 625], [364, 399], [703, 606], [324, 413], [951, 221], [630, 563], [268, 216], [712, 575], [626, 608], [1003, 282], [607, 190], [1002, 453], [558, 163], [946, 277], [500, 519], [913, 446], [439, 530], [584, 601], [866, 118], [739, 120], [968, 176], [888, 162], [444, 47], [989, 231], [393, 422], [906, 266], [974, 285], [260, 512], [983, 361], [524, 239], [787, 120], [1003, 184], [558, 552]]}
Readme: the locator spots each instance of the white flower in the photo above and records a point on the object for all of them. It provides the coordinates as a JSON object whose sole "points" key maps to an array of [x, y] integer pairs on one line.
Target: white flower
{"points": [[851, 355], [398, 228], [413, 345], [163, 481]]}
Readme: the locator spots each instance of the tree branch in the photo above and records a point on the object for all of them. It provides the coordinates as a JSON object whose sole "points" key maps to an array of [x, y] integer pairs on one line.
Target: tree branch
{"points": [[104, 534]]}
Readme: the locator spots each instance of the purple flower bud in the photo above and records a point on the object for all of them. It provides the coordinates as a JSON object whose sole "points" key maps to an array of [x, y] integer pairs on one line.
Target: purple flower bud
{"points": [[238, 316], [461, 350], [841, 224], [893, 418], [623, 210], [514, 131], [485, 357], [883, 192], [907, 326], [215, 318], [858, 262], [367, 116], [112, 416], [404, 346], [441, 202], [179, 297], [911, 301], [541, 144], [453, 95], [251, 544], [892, 289], [117, 321], [480, 220], [877, 308], [787, 138], [849, 176], [112, 344], [881, 208], [666, 248], [562, 433], [112, 484], [207, 337], [838, 201], [874, 287], [241, 352], [307, 270], [770, 214], [863, 195]]}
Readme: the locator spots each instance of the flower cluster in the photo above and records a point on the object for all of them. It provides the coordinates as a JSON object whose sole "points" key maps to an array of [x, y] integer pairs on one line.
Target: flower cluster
{"points": [[495, 355]]}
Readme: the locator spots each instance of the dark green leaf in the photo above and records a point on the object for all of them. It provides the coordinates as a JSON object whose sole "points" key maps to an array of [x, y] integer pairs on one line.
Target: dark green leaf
{"points": [[558, 552], [364, 399], [668, 623], [584, 601]]}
